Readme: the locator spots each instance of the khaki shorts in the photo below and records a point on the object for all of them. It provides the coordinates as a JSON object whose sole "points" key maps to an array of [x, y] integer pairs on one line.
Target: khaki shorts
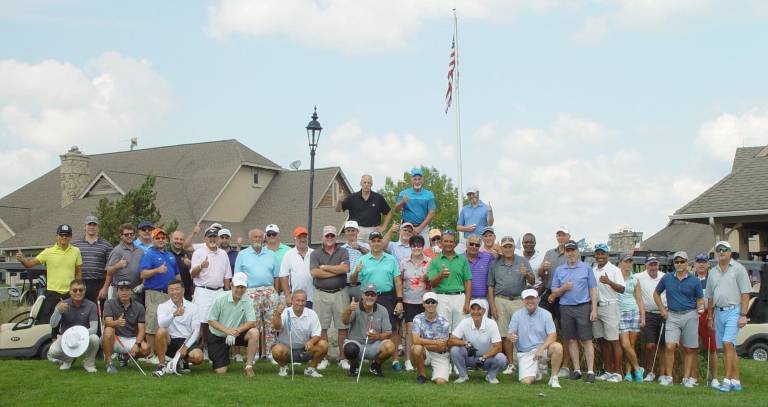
{"points": [[607, 324], [152, 299], [329, 308], [505, 308]]}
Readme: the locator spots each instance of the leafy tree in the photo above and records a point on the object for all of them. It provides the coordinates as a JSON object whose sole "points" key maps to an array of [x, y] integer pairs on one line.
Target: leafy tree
{"points": [[135, 206], [440, 184]]}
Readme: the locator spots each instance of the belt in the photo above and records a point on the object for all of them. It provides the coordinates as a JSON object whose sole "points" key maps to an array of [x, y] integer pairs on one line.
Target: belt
{"points": [[260, 287], [335, 290], [208, 288], [390, 292], [726, 308], [604, 303], [350, 285], [507, 297], [682, 312], [452, 293], [155, 289]]}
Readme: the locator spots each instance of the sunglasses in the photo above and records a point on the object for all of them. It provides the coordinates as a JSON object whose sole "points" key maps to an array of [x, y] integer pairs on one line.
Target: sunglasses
{"points": [[77, 290], [723, 250], [681, 262], [64, 235], [435, 239], [271, 234], [473, 244], [128, 234], [328, 236], [370, 294], [146, 229], [430, 302]]}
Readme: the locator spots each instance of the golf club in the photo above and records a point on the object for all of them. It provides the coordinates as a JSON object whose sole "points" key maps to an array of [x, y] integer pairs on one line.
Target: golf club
{"points": [[708, 353], [362, 357], [117, 338], [290, 341], [658, 342]]}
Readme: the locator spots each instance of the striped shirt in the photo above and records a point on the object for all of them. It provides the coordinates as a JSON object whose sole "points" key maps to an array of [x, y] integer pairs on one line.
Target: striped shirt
{"points": [[94, 257]]}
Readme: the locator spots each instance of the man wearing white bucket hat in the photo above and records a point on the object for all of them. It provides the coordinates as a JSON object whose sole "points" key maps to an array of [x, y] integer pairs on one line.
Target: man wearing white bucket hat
{"points": [[77, 319]]}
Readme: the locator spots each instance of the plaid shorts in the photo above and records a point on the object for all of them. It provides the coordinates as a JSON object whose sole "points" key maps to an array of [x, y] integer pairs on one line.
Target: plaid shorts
{"points": [[629, 322]]}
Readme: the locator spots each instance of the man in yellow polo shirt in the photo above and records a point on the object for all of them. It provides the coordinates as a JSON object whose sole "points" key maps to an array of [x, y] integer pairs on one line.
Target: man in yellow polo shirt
{"points": [[62, 262]]}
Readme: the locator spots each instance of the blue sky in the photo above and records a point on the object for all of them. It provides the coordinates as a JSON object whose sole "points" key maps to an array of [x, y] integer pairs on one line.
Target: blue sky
{"points": [[594, 114]]}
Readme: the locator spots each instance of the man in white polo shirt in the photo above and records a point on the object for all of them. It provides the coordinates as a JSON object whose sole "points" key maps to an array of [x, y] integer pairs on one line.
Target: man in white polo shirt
{"points": [[648, 280], [305, 343], [476, 343], [610, 283], [294, 269], [178, 322]]}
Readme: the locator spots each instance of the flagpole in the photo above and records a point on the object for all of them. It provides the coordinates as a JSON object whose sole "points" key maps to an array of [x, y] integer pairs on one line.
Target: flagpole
{"points": [[459, 194]]}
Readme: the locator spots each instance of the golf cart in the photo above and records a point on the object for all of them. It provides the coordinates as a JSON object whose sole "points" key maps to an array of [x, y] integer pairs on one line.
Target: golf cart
{"points": [[752, 340], [24, 336]]}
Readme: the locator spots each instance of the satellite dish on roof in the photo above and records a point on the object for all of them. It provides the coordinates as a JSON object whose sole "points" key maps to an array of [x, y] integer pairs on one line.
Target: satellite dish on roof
{"points": [[295, 165]]}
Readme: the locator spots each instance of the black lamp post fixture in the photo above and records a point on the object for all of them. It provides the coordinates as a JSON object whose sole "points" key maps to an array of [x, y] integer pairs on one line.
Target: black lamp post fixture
{"points": [[313, 137]]}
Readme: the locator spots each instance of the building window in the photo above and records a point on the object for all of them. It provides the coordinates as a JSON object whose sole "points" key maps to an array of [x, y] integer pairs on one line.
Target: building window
{"points": [[335, 191], [255, 173]]}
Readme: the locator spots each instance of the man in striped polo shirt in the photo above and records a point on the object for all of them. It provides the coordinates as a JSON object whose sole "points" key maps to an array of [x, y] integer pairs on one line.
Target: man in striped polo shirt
{"points": [[94, 251]]}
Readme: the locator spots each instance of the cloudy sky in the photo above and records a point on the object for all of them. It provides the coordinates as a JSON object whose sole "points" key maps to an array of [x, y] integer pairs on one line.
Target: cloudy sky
{"points": [[596, 114]]}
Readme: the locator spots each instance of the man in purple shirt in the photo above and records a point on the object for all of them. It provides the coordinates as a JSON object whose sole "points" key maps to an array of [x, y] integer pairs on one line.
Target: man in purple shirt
{"points": [[479, 264], [575, 285]]}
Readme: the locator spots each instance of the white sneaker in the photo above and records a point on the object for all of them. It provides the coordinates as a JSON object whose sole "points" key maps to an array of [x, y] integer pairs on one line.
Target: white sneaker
{"points": [[344, 364], [688, 383], [715, 384], [323, 364], [408, 366], [650, 377], [283, 371], [509, 370], [613, 378], [554, 382], [603, 376], [564, 373], [461, 379], [239, 358], [665, 380], [694, 382], [311, 372], [65, 365], [90, 369], [489, 380]]}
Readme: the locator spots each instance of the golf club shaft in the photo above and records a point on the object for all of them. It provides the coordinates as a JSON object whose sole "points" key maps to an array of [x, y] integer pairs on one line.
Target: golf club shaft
{"points": [[658, 343], [290, 342], [129, 355], [362, 358]]}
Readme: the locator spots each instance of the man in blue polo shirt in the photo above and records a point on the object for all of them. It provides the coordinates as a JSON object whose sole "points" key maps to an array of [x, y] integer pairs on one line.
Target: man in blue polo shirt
{"points": [[383, 271], [475, 215], [575, 285], [158, 267], [684, 297], [417, 204]]}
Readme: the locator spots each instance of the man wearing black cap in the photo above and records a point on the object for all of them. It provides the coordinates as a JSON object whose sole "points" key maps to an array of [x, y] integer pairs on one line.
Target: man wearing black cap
{"points": [[123, 327], [370, 320], [94, 251], [62, 263]]}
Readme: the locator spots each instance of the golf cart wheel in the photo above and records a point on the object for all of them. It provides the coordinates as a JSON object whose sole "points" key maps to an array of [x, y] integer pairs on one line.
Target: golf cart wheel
{"points": [[43, 353], [759, 351]]}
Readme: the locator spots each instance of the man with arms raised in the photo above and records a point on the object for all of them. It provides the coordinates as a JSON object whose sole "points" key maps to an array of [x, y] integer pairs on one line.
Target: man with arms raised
{"points": [[366, 207]]}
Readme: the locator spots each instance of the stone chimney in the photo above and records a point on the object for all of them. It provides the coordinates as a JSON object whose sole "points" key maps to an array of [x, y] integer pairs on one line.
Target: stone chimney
{"points": [[75, 175]]}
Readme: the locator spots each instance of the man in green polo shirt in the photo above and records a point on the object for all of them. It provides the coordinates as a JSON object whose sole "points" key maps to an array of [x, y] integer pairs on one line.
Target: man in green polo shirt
{"points": [[451, 278], [232, 322], [383, 271]]}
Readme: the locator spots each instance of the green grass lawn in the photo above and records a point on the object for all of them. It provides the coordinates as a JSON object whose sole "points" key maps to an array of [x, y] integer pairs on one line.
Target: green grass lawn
{"points": [[36, 382]]}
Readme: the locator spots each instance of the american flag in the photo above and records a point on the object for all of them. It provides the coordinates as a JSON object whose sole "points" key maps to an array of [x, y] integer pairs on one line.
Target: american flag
{"points": [[451, 67]]}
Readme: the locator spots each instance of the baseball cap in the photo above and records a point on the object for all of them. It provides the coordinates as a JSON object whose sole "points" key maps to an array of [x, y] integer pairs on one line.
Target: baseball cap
{"points": [[601, 246], [300, 230], [571, 245], [216, 225], [723, 243], [507, 240], [124, 283], [328, 230], [351, 224], [370, 288], [702, 257], [223, 232], [472, 189], [406, 225], [271, 228], [145, 224], [64, 230], [529, 293], [417, 171], [488, 229], [91, 219], [240, 279], [563, 229], [375, 235], [211, 232], [625, 256], [158, 231], [434, 233], [429, 295], [477, 302], [681, 254], [651, 259]]}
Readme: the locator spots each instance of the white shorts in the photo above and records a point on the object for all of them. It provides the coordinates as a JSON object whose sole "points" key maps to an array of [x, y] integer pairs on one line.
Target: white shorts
{"points": [[127, 342], [441, 365], [204, 299], [527, 366]]}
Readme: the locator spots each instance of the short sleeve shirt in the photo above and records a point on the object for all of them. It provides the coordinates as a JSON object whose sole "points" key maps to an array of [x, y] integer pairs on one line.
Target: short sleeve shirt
{"points": [[725, 288], [555, 259], [480, 267], [583, 280], [681, 294], [153, 259], [399, 249], [481, 338], [414, 285], [647, 287], [471, 215], [360, 322], [279, 253], [506, 278], [627, 301], [532, 329], [75, 316], [439, 329], [261, 268], [302, 328], [296, 268], [133, 314], [459, 269], [368, 212], [132, 269], [94, 257], [60, 266], [354, 255], [419, 205], [218, 268], [229, 313], [381, 272], [604, 292], [321, 257]]}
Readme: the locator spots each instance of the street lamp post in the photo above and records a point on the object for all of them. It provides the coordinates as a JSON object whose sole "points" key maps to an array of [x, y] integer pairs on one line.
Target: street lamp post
{"points": [[313, 137]]}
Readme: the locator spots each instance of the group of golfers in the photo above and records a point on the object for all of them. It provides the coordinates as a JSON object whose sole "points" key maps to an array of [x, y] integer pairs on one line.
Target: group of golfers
{"points": [[478, 305]]}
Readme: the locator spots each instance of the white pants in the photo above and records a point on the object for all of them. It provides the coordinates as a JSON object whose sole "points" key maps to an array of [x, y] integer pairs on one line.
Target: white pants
{"points": [[451, 307], [89, 357], [204, 299]]}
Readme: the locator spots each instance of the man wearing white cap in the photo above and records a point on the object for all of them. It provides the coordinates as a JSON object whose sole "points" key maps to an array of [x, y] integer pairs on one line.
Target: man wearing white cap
{"points": [[273, 243], [533, 331], [430, 342], [728, 290], [417, 203], [329, 266], [356, 249], [294, 270], [365, 208], [75, 311], [476, 343], [232, 322], [225, 239], [475, 215]]}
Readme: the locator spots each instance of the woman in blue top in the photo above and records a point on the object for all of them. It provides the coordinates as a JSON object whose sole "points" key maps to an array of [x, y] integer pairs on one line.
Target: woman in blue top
{"points": [[632, 318]]}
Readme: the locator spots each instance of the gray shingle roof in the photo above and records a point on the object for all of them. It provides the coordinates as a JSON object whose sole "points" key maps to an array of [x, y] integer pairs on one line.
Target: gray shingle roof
{"points": [[744, 154], [691, 237]]}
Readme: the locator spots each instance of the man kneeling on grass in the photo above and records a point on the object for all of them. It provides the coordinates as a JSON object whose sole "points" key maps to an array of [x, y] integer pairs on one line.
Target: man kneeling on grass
{"points": [[178, 330], [231, 322], [476, 343], [123, 327], [300, 330], [75, 310], [430, 342], [367, 320]]}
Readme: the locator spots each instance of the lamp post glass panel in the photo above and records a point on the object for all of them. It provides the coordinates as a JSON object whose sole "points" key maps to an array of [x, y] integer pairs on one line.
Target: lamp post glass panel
{"points": [[313, 137]]}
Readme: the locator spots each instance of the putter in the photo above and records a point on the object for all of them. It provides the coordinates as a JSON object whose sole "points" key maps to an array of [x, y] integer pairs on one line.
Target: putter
{"points": [[707, 352], [117, 338], [658, 342], [290, 342], [172, 365], [362, 357]]}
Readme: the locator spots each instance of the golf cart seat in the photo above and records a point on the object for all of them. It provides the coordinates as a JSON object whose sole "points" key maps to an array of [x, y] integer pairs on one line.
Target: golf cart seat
{"points": [[28, 318], [24, 335]]}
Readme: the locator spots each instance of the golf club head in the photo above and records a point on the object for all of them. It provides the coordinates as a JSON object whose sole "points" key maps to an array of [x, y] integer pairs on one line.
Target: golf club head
{"points": [[173, 364]]}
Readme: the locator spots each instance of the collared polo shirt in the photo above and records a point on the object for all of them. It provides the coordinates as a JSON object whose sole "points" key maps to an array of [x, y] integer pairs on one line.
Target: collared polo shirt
{"points": [[381, 272], [232, 254], [418, 206], [647, 287], [480, 269], [555, 259], [399, 249], [505, 277], [439, 329], [604, 292], [74, 316], [181, 326], [186, 278], [460, 272], [133, 314], [60, 266], [302, 327], [474, 215], [681, 294], [532, 328], [726, 287], [229, 313], [413, 275], [481, 338], [360, 322], [94, 257], [261, 268], [132, 270], [218, 268], [321, 257], [138, 243], [153, 259], [296, 268], [535, 261], [583, 279], [279, 253], [367, 212], [354, 255]]}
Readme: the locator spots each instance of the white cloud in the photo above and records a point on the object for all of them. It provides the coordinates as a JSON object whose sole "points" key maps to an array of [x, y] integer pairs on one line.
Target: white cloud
{"points": [[722, 135], [47, 107], [577, 128]]}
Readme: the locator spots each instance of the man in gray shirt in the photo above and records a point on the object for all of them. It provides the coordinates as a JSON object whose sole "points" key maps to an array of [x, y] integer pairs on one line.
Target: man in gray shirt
{"points": [[368, 320], [124, 261], [75, 311], [510, 274]]}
